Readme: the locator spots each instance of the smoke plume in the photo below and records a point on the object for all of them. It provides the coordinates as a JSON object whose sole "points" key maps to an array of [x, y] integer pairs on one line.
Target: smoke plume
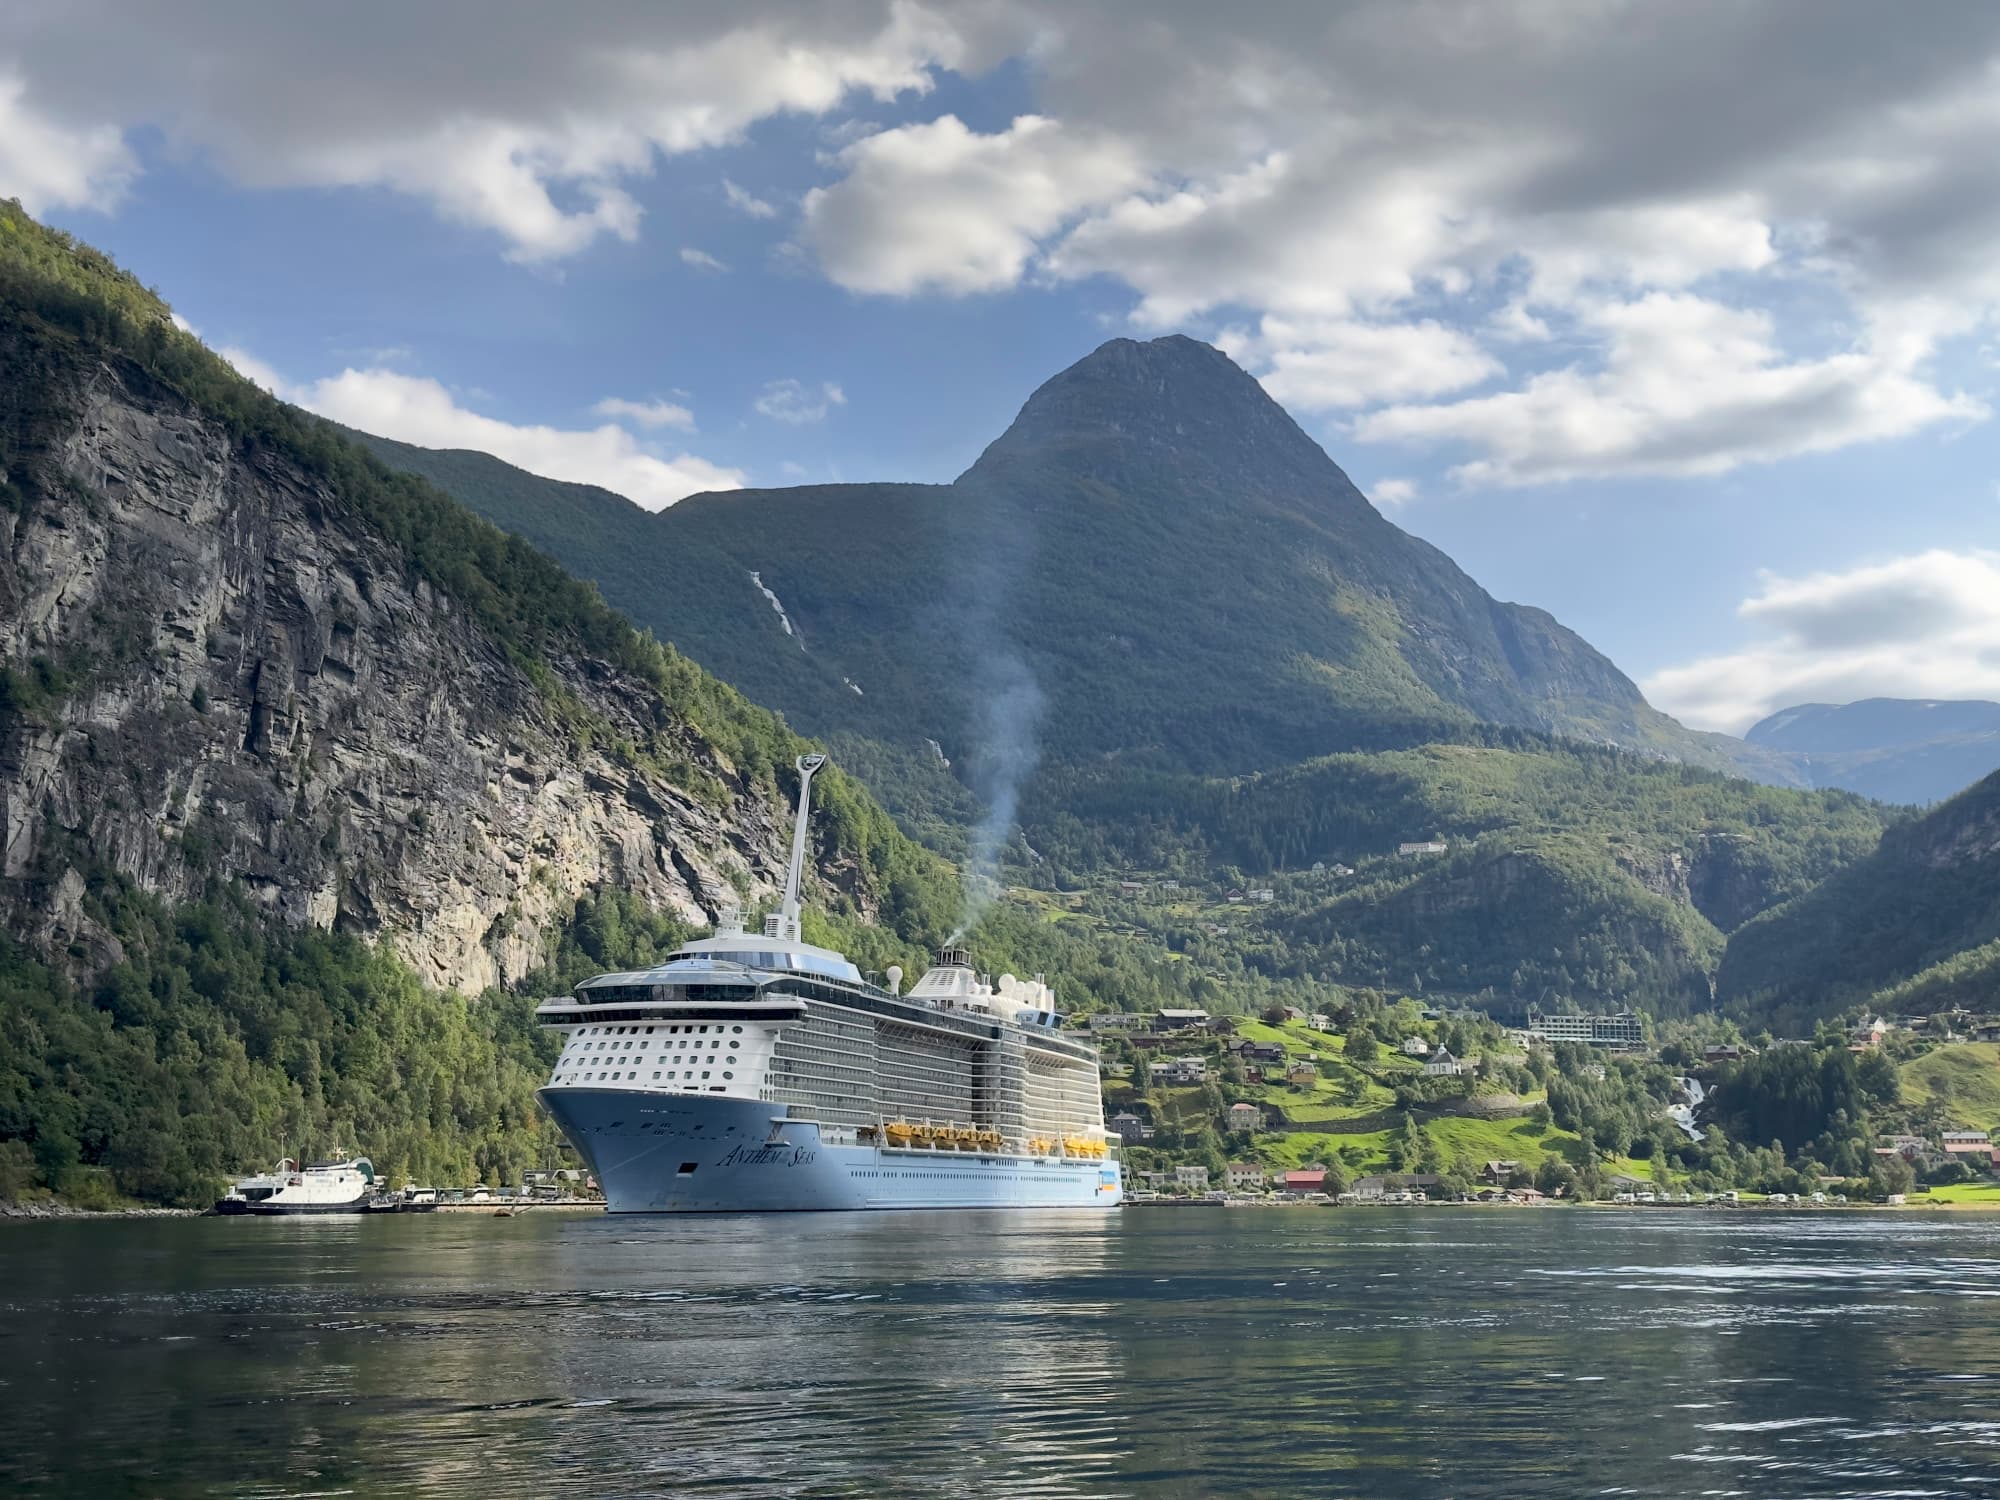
{"points": [[1010, 717]]}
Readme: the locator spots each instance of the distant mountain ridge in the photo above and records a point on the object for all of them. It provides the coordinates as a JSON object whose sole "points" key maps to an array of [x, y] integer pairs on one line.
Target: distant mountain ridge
{"points": [[1908, 750]]}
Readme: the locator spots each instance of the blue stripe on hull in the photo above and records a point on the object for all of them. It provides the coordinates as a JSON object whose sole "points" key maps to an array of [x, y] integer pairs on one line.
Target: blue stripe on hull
{"points": [[682, 1153]]}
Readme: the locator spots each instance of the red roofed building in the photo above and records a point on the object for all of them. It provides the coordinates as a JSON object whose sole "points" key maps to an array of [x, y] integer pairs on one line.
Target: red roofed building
{"points": [[1312, 1180]]}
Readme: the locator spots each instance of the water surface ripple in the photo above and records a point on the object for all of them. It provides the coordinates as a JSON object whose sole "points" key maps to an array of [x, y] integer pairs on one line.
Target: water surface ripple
{"points": [[1434, 1352]]}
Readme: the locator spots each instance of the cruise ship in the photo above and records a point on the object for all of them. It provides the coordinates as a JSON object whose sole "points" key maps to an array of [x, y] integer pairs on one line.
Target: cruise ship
{"points": [[756, 1072]]}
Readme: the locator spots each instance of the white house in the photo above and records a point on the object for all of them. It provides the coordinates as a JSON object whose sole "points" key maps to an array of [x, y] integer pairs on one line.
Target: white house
{"points": [[1426, 846], [1416, 1046], [1245, 1117], [1243, 1174], [1182, 1070], [1191, 1177], [1443, 1065]]}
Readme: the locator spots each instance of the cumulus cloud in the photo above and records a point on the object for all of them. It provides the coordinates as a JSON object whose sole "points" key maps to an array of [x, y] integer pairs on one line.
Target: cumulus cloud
{"points": [[796, 403], [646, 413], [413, 409], [1922, 626], [940, 207], [47, 164], [529, 122], [1687, 386], [701, 260], [1319, 365], [1393, 492]]}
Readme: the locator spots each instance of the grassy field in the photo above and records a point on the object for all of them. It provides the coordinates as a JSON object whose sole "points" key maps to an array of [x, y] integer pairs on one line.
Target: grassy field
{"points": [[1965, 1078]]}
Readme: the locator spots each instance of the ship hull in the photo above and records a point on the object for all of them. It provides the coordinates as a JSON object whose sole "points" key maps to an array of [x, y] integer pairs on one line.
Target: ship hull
{"points": [[655, 1152]]}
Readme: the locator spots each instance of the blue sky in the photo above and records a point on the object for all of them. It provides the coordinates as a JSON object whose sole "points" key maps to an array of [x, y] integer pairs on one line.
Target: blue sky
{"points": [[1677, 322]]}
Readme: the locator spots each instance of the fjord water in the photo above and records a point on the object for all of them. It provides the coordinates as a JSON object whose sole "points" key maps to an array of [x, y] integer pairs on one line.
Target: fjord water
{"points": [[1452, 1352]]}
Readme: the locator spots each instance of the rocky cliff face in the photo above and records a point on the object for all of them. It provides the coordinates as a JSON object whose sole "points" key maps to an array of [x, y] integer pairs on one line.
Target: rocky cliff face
{"points": [[214, 672]]}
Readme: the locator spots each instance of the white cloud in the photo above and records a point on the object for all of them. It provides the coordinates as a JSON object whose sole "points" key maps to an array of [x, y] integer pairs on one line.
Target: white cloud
{"points": [[747, 203], [939, 207], [1687, 386], [701, 260], [797, 403], [47, 164], [1922, 626], [646, 413], [1394, 492], [412, 409], [1329, 363], [528, 122]]}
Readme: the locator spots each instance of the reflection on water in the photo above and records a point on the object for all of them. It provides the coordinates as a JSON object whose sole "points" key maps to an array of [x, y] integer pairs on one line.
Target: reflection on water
{"points": [[1427, 1352]]}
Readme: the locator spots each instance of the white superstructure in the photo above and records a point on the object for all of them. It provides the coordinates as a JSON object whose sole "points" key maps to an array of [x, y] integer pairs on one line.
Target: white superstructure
{"points": [[758, 1071]]}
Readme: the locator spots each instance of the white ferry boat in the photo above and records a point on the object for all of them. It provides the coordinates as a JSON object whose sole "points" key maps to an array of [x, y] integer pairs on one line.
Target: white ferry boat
{"points": [[757, 1072], [328, 1187]]}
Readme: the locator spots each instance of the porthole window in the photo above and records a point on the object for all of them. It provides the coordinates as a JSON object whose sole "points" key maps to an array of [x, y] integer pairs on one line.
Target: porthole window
{"points": [[728, 1075], [736, 1028]]}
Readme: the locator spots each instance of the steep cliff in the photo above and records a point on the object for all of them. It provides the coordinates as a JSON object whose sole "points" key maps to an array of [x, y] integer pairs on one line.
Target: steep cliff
{"points": [[239, 652]]}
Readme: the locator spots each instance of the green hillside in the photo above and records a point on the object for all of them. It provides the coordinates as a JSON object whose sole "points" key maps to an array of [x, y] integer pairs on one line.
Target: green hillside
{"points": [[1915, 924]]}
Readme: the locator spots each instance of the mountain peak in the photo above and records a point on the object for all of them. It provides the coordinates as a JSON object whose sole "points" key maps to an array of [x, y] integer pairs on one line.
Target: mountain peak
{"points": [[1130, 405]]}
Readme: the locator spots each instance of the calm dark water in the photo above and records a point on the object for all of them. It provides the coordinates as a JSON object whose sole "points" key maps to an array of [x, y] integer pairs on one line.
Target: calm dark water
{"points": [[1434, 1352]]}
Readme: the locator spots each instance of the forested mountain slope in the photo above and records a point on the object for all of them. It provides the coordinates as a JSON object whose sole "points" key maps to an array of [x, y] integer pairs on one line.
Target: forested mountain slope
{"points": [[1916, 925], [278, 722]]}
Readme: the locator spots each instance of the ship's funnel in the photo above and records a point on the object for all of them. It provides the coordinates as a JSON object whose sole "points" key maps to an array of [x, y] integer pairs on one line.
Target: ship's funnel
{"points": [[954, 958]]}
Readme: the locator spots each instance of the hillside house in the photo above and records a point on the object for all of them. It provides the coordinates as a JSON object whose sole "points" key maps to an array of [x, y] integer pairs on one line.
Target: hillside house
{"points": [[1869, 1033], [1416, 1046], [1499, 1169], [1129, 1128], [1305, 1181], [1179, 1020], [1264, 896], [1302, 1074], [1967, 1143], [1986, 1031], [1726, 1052], [1243, 1176], [1258, 1052], [1113, 1021], [1244, 1117], [1443, 1065], [1319, 1020], [1179, 1071], [1425, 846], [1194, 1178]]}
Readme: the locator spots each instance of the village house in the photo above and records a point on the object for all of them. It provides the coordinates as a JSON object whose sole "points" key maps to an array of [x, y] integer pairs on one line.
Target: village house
{"points": [[1261, 1052], [1319, 1020], [1244, 1117], [1242, 1176], [1869, 1033], [1179, 1020], [1129, 1128], [1426, 846], [1302, 1074], [1498, 1170], [1444, 1065], [1131, 887], [1305, 1181], [1391, 1184], [1159, 1182], [1967, 1143], [1191, 1177], [1111, 1020], [1724, 1052], [1416, 1046], [1264, 896], [1179, 1070], [1986, 1031]]}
